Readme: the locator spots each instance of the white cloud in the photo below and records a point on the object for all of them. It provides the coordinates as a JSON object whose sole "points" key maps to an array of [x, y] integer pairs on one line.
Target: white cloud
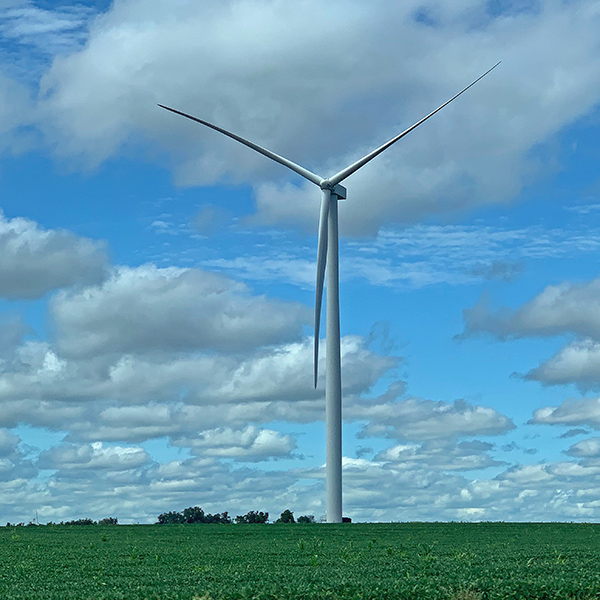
{"points": [[445, 455], [529, 475], [14, 464], [8, 443], [573, 411], [12, 330], [565, 308], [34, 261], [587, 448], [133, 397], [577, 362], [537, 492], [151, 309], [562, 308], [92, 458], [251, 444], [418, 419], [251, 75]]}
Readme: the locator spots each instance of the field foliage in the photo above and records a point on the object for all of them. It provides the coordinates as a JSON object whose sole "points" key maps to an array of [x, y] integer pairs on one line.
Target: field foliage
{"points": [[450, 561]]}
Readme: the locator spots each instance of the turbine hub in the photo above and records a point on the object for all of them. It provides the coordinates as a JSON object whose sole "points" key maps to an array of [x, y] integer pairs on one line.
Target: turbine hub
{"points": [[337, 189]]}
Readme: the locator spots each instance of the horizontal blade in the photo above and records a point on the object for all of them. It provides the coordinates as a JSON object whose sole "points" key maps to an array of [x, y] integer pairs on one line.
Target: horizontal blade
{"points": [[280, 159], [363, 161], [321, 263]]}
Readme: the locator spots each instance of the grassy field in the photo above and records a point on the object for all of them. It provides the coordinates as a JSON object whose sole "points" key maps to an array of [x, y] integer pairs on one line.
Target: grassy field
{"points": [[385, 561]]}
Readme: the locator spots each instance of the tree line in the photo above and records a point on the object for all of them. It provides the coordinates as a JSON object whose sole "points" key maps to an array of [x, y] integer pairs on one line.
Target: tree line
{"points": [[107, 521], [194, 514]]}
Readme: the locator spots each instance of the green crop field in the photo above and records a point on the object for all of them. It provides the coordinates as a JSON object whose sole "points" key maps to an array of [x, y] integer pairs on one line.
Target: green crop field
{"points": [[415, 560]]}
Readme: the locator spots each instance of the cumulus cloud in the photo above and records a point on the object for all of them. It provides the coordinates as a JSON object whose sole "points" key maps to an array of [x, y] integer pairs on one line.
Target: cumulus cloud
{"points": [[8, 443], [574, 432], [562, 308], [588, 448], [571, 412], [115, 489], [380, 490], [12, 330], [93, 457], [152, 309], [251, 444], [34, 261], [445, 455], [565, 308], [419, 419], [14, 465], [133, 398], [278, 89], [578, 362]]}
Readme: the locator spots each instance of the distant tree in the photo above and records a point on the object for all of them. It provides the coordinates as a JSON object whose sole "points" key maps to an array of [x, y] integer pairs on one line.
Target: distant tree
{"points": [[170, 517], [253, 517], [223, 518], [306, 519], [287, 516], [108, 521], [193, 514], [80, 522]]}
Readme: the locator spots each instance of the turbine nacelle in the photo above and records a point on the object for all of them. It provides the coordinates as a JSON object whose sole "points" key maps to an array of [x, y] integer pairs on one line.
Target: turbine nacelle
{"points": [[335, 189]]}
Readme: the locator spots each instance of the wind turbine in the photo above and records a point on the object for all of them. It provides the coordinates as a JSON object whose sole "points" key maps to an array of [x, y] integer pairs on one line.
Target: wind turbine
{"points": [[328, 254]]}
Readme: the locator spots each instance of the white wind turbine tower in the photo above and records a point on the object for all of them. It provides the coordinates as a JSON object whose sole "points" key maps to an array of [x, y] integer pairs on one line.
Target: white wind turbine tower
{"points": [[327, 253]]}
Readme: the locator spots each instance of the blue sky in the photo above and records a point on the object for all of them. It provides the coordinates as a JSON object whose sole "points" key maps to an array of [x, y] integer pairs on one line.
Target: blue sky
{"points": [[157, 279]]}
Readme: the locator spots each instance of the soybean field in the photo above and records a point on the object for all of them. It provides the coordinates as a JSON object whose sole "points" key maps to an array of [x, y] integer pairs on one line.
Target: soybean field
{"points": [[445, 561]]}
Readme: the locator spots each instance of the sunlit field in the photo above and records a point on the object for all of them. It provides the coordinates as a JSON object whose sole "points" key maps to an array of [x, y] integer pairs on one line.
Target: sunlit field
{"points": [[415, 560]]}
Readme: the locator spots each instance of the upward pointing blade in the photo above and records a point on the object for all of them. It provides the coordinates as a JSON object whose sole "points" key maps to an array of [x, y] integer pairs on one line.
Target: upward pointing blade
{"points": [[280, 159], [337, 178], [321, 263]]}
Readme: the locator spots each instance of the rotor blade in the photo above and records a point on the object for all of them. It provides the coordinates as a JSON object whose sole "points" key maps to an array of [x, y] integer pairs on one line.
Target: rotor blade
{"points": [[321, 262], [363, 161], [280, 159]]}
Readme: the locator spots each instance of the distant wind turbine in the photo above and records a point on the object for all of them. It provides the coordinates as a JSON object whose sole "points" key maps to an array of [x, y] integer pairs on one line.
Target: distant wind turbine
{"points": [[328, 254]]}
